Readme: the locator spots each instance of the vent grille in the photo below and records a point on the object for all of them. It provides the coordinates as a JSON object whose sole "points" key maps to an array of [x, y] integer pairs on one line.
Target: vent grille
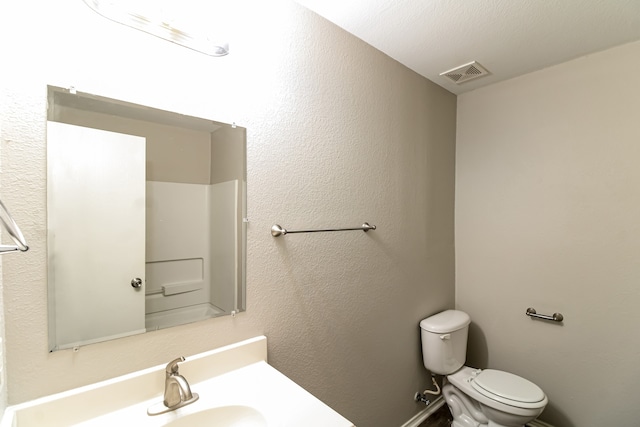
{"points": [[464, 73]]}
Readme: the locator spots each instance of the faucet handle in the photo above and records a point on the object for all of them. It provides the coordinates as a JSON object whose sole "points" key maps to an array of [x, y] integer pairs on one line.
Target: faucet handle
{"points": [[172, 367]]}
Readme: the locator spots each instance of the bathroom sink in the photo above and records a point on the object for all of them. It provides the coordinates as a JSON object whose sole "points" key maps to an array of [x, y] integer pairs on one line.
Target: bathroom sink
{"points": [[225, 416], [235, 384]]}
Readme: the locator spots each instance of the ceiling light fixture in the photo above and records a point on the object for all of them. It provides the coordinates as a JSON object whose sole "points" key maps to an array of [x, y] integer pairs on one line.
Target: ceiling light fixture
{"points": [[158, 26]]}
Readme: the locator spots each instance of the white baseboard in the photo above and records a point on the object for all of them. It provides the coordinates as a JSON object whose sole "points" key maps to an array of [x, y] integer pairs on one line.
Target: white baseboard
{"points": [[538, 423], [438, 403], [419, 418]]}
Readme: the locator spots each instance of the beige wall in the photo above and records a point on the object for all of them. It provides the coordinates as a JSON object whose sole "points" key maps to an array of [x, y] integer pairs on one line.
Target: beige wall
{"points": [[547, 216], [337, 134], [3, 376], [173, 154], [228, 154]]}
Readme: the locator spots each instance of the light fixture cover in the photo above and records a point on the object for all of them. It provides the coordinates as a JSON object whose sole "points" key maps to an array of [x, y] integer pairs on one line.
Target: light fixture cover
{"points": [[158, 27]]}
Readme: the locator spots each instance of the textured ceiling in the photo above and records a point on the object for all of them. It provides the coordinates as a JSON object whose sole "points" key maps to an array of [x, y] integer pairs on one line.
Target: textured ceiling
{"points": [[508, 37]]}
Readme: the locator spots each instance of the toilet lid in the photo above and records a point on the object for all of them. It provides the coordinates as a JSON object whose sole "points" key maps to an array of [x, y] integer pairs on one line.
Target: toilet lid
{"points": [[503, 386]]}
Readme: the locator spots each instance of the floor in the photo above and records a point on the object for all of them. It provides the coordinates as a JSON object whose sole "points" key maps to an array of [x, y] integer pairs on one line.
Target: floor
{"points": [[440, 418]]}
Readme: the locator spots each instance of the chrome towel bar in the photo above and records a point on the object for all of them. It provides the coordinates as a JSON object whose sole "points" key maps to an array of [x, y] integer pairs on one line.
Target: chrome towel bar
{"points": [[556, 317], [276, 230]]}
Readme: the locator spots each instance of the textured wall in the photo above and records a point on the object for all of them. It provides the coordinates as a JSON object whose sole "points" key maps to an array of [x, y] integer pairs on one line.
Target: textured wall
{"points": [[547, 212], [337, 134], [3, 378]]}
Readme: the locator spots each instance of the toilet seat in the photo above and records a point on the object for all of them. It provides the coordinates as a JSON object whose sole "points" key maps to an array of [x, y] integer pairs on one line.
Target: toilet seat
{"points": [[509, 389], [463, 380]]}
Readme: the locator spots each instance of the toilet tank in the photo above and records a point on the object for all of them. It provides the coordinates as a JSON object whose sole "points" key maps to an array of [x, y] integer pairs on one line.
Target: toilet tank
{"points": [[444, 341]]}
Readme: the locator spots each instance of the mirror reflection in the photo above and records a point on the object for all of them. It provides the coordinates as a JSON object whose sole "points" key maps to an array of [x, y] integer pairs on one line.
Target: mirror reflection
{"points": [[145, 213]]}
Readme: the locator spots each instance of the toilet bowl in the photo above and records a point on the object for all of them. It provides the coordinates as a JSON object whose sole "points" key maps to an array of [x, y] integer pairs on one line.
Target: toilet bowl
{"points": [[475, 397], [503, 398]]}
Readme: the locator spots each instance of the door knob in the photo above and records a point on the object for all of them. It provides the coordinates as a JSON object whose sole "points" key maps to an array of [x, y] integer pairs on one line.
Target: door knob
{"points": [[136, 283]]}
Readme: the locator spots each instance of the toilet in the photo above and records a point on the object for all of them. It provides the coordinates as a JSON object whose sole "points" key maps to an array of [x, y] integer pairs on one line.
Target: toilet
{"points": [[476, 397]]}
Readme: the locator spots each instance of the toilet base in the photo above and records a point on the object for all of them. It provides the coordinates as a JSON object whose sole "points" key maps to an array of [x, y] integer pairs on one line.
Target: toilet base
{"points": [[465, 412], [468, 412]]}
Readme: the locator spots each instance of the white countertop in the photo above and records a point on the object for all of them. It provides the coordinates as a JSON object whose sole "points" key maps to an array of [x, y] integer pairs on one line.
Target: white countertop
{"points": [[233, 375]]}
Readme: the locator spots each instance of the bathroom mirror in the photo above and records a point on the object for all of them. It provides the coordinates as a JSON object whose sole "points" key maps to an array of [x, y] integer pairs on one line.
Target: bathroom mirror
{"points": [[145, 218]]}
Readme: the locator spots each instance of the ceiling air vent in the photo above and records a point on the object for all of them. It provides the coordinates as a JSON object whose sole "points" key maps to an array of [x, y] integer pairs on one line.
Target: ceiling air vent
{"points": [[466, 72]]}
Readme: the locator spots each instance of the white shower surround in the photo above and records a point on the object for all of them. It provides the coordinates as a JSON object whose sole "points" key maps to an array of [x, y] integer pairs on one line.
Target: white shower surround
{"points": [[186, 264]]}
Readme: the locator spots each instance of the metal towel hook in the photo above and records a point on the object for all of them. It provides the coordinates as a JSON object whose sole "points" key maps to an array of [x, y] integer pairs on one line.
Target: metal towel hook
{"points": [[13, 230]]}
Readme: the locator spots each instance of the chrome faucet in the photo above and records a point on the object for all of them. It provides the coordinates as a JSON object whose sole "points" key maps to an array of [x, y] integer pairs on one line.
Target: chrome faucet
{"points": [[177, 392]]}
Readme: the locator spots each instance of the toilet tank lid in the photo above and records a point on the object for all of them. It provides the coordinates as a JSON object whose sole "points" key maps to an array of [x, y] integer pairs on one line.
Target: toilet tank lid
{"points": [[446, 321]]}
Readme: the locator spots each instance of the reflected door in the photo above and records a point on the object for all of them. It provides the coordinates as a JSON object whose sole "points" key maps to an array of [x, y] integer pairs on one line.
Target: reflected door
{"points": [[95, 178]]}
